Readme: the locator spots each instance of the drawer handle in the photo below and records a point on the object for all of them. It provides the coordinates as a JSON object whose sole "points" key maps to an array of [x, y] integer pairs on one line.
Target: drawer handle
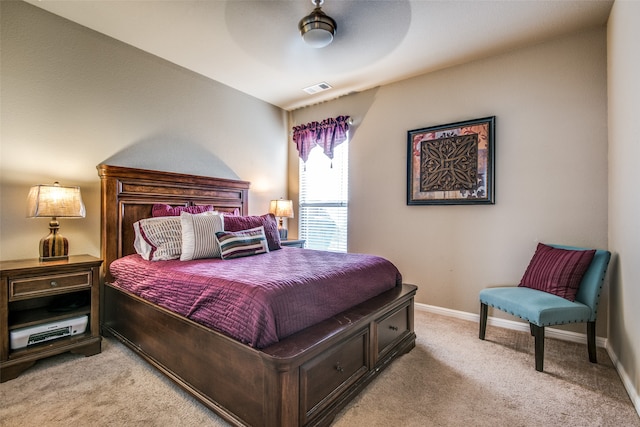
{"points": [[339, 367], [393, 328], [53, 283]]}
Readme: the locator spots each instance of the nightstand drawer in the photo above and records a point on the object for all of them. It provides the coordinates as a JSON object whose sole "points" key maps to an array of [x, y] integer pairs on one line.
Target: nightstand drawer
{"points": [[30, 287]]}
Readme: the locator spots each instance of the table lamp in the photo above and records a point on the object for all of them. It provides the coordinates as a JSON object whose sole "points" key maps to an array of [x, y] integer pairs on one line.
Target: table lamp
{"points": [[54, 201], [282, 209]]}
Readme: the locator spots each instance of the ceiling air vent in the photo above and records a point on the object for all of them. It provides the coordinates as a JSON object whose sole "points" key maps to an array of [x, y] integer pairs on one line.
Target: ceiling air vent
{"points": [[320, 87]]}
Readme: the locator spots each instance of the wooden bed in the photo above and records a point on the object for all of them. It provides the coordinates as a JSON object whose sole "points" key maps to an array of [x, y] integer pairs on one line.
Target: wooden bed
{"points": [[305, 379]]}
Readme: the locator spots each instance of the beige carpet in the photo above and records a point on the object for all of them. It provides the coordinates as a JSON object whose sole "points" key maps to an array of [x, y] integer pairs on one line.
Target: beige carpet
{"points": [[451, 378]]}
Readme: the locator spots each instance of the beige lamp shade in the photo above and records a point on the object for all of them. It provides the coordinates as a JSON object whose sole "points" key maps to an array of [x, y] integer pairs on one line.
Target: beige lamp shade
{"points": [[54, 201], [281, 208]]}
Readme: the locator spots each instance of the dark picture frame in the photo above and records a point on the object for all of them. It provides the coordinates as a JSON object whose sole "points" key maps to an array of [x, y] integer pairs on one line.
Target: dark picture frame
{"points": [[452, 164]]}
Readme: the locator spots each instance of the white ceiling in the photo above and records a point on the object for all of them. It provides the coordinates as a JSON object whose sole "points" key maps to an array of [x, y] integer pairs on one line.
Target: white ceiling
{"points": [[255, 46]]}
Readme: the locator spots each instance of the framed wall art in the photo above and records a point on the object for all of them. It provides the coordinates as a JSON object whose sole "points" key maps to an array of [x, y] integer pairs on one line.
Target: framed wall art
{"points": [[452, 164]]}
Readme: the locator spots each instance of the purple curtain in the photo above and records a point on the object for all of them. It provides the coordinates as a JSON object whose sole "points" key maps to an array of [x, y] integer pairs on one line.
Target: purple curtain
{"points": [[327, 134]]}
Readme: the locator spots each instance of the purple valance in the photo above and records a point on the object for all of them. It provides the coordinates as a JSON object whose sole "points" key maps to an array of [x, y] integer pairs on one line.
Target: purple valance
{"points": [[327, 134]]}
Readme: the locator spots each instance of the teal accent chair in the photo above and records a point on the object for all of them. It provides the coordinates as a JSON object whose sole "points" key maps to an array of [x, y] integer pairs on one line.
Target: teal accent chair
{"points": [[542, 309]]}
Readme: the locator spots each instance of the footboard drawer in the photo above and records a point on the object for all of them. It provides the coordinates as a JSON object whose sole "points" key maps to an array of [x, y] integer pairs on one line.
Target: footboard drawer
{"points": [[392, 328], [324, 377]]}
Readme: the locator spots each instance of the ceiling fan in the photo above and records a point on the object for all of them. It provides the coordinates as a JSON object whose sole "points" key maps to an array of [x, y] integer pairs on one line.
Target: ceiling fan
{"points": [[317, 29]]}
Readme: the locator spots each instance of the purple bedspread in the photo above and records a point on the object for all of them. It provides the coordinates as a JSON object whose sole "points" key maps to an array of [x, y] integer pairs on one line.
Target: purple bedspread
{"points": [[261, 299]]}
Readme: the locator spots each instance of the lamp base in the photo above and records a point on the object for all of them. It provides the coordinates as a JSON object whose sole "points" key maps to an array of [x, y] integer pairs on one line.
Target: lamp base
{"points": [[54, 247], [54, 258], [284, 233]]}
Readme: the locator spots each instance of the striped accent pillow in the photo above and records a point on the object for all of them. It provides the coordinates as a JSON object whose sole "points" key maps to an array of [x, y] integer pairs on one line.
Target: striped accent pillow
{"points": [[199, 235], [557, 271], [158, 239], [236, 244]]}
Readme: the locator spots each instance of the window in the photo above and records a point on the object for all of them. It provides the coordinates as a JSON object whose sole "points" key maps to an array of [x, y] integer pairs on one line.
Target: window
{"points": [[324, 199]]}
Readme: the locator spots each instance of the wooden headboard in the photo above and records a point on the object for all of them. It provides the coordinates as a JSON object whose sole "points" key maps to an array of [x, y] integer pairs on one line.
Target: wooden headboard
{"points": [[128, 195]]}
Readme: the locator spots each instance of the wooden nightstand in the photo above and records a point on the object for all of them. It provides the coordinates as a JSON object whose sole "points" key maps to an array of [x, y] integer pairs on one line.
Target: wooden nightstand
{"points": [[34, 293], [294, 243]]}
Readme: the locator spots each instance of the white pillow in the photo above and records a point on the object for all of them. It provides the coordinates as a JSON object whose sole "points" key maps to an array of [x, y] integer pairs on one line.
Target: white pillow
{"points": [[199, 235], [158, 239]]}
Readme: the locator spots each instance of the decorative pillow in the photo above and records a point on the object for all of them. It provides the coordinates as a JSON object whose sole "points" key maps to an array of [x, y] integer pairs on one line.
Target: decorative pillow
{"points": [[236, 244], [199, 235], [268, 221], [167, 210], [557, 271], [232, 212], [158, 239]]}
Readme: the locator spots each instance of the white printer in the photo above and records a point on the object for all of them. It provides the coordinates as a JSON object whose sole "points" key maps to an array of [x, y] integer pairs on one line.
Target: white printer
{"points": [[23, 337]]}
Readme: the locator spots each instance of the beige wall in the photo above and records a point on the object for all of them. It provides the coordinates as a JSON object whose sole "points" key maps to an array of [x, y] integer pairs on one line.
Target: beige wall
{"points": [[73, 98], [624, 175], [551, 167]]}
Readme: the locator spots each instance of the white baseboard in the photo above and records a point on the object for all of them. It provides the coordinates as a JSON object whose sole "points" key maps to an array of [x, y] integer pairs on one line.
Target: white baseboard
{"points": [[549, 332], [626, 380]]}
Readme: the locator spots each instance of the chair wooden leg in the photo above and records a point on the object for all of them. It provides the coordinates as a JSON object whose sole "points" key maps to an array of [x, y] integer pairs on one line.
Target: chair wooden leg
{"points": [[484, 310], [591, 341], [531, 328], [538, 333]]}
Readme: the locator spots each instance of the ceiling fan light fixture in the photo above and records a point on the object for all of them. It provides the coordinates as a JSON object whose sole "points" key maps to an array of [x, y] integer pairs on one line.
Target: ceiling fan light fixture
{"points": [[317, 29]]}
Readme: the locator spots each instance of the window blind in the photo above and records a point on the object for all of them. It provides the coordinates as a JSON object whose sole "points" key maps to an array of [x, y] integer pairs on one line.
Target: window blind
{"points": [[324, 199]]}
